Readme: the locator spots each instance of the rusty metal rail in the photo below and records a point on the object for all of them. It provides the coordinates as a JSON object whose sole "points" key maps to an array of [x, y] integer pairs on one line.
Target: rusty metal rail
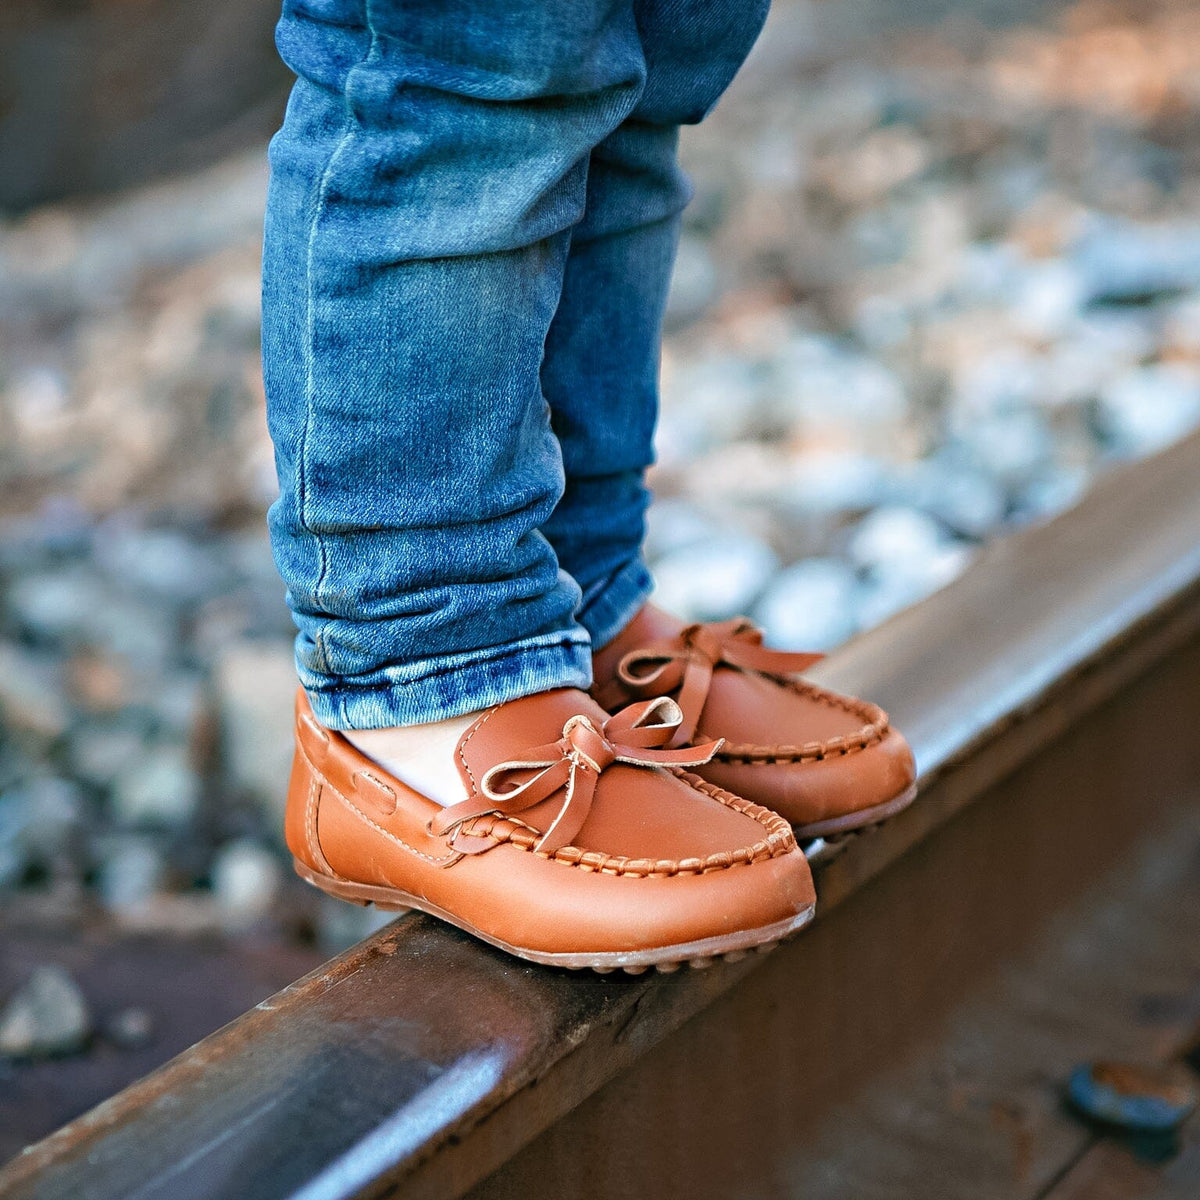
{"points": [[1051, 696]]}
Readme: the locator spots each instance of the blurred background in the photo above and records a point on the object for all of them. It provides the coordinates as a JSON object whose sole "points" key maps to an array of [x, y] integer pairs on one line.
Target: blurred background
{"points": [[942, 269]]}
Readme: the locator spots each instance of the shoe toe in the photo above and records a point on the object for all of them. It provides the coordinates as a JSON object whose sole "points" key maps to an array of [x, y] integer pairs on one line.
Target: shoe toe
{"points": [[838, 787]]}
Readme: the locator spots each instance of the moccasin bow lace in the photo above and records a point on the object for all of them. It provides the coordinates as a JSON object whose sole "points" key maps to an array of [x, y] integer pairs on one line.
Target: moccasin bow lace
{"points": [[641, 735], [683, 666]]}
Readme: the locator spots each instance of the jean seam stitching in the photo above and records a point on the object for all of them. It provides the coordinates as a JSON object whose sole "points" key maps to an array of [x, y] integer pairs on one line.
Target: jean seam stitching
{"points": [[319, 637]]}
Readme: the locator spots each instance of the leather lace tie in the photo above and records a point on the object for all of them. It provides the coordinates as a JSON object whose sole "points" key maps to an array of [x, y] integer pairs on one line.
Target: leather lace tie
{"points": [[683, 666], [638, 735]]}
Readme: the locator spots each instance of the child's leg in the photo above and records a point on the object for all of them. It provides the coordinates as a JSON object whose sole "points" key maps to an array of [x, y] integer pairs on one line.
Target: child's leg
{"points": [[432, 165], [601, 369], [423, 188]]}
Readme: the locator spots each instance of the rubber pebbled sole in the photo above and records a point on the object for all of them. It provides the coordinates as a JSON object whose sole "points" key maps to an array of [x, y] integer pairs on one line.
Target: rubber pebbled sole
{"points": [[825, 840], [852, 822], [731, 947]]}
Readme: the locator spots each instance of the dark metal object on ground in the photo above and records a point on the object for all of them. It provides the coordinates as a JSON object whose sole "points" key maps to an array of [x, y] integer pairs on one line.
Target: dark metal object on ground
{"points": [[1133, 1096]]}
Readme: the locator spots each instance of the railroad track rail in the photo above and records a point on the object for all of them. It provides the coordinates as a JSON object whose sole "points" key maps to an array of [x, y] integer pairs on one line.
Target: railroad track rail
{"points": [[1052, 696]]}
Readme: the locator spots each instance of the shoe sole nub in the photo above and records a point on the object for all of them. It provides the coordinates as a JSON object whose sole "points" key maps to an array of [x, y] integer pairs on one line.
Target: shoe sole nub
{"points": [[731, 946]]}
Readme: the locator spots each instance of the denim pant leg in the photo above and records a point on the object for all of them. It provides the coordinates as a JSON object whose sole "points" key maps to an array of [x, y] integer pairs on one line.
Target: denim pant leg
{"points": [[600, 373], [431, 164]]}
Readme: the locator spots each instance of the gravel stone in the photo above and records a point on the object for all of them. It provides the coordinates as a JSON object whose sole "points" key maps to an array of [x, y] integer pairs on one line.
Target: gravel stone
{"points": [[255, 689], [159, 789], [712, 580], [1150, 407], [247, 878], [132, 872], [810, 605], [32, 700], [46, 1017]]}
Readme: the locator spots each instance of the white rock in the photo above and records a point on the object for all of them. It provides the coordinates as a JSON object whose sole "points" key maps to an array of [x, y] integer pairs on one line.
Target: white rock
{"points": [[673, 524], [882, 322], [39, 823], [131, 873], [60, 526], [178, 702], [1182, 325], [833, 481], [1004, 381], [1012, 445], [1052, 493], [705, 402], [889, 591], [51, 810], [47, 1016], [738, 474], [255, 688], [958, 493], [159, 789], [988, 272], [143, 633], [161, 562], [39, 404], [246, 879], [1122, 260], [831, 395], [810, 606], [894, 537], [32, 701], [76, 605], [713, 580], [54, 604], [1148, 408], [99, 753], [1047, 299], [130, 1028], [870, 166], [12, 853], [906, 556], [1094, 348]]}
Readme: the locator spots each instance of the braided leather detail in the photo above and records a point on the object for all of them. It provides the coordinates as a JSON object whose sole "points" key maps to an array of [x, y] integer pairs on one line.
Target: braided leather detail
{"points": [[778, 840], [876, 725]]}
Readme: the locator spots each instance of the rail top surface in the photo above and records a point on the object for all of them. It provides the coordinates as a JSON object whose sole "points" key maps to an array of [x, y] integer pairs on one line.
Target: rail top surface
{"points": [[410, 1062]]}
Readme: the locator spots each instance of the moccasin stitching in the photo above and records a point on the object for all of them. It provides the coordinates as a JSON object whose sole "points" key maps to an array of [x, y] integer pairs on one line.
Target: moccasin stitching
{"points": [[311, 839], [779, 841], [877, 727], [487, 716]]}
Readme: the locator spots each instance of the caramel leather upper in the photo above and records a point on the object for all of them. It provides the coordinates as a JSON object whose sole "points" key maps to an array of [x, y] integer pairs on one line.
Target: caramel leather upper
{"points": [[659, 857], [807, 752]]}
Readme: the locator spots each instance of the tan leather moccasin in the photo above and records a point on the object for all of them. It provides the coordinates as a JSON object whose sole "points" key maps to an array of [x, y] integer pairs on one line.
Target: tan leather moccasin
{"points": [[830, 764], [582, 840]]}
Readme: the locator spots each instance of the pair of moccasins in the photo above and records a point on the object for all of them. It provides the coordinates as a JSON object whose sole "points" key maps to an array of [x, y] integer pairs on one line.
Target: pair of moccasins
{"points": [[654, 822]]}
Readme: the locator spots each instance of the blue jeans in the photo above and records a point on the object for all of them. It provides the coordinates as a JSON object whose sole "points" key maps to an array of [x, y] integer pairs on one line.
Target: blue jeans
{"points": [[472, 217]]}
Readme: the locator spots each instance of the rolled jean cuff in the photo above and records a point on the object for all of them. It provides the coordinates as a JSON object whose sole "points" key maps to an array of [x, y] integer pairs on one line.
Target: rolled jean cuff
{"points": [[419, 693], [608, 606]]}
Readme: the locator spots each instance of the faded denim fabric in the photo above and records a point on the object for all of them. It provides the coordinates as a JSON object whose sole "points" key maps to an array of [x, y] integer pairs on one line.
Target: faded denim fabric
{"points": [[472, 218]]}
